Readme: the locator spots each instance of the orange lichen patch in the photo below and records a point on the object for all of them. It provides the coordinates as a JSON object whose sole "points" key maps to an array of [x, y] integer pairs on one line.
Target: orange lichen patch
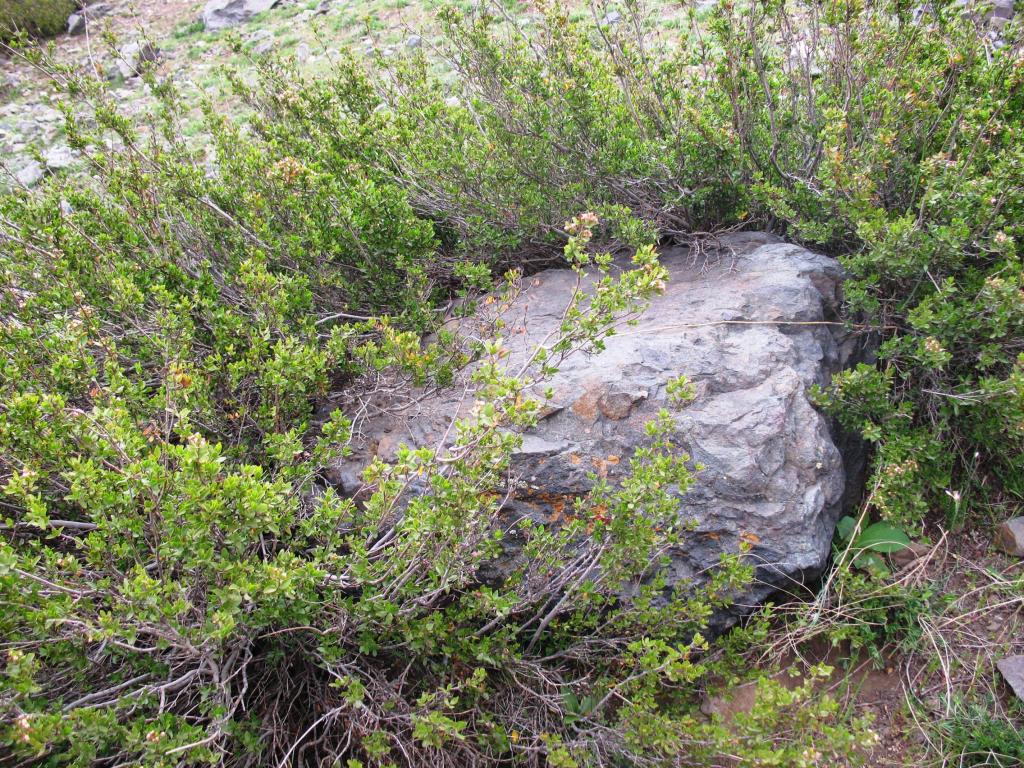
{"points": [[586, 407], [713, 536], [601, 465], [750, 538], [556, 508], [387, 446], [574, 459], [556, 512]]}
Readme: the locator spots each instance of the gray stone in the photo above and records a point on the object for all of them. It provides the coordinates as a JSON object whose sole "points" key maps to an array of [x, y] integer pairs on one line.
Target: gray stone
{"points": [[220, 14], [995, 13], [132, 57], [30, 175], [59, 158], [1002, 9], [79, 22], [1010, 536], [1012, 670], [263, 47], [46, 114], [747, 330], [611, 18], [740, 700], [413, 41]]}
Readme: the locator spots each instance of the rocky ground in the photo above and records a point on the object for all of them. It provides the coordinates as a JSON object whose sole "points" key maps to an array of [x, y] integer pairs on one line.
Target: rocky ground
{"points": [[193, 49], [187, 50]]}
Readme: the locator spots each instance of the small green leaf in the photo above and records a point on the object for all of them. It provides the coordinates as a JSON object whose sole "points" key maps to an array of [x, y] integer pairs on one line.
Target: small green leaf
{"points": [[872, 563], [845, 528]]}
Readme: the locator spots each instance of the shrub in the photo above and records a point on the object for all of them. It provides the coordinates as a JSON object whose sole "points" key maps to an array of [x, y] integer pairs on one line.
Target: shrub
{"points": [[184, 587], [895, 143], [888, 140], [530, 129], [39, 18], [182, 583]]}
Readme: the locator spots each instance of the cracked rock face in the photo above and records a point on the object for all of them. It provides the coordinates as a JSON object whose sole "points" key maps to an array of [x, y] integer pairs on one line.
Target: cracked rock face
{"points": [[751, 330]]}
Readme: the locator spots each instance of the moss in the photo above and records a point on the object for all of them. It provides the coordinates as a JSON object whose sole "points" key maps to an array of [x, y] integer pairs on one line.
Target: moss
{"points": [[39, 18]]}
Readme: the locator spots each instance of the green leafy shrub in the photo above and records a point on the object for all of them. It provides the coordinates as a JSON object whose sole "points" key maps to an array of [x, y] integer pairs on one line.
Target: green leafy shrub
{"points": [[182, 585], [895, 143], [39, 18], [529, 129], [795, 725], [747, 122]]}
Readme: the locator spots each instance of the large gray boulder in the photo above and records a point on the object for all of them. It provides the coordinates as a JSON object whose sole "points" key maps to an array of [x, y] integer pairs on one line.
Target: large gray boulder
{"points": [[752, 326], [80, 21], [220, 14]]}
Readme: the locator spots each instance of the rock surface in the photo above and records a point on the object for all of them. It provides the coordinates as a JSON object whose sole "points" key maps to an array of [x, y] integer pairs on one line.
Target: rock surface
{"points": [[79, 22], [1010, 536], [30, 175], [59, 157], [133, 56], [994, 14], [747, 330], [220, 14], [1012, 670]]}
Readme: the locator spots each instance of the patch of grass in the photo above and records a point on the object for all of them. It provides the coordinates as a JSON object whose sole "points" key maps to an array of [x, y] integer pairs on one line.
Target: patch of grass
{"points": [[187, 29], [975, 736]]}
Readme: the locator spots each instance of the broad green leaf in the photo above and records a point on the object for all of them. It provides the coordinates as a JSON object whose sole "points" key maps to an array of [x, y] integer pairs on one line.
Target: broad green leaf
{"points": [[883, 537]]}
